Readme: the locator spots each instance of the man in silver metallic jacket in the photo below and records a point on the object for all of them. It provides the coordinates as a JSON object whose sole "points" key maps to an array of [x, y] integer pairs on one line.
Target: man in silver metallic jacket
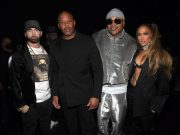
{"points": [[117, 49]]}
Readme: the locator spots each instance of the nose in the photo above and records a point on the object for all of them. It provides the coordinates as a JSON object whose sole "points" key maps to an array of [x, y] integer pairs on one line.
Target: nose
{"points": [[140, 37], [113, 22], [33, 32]]}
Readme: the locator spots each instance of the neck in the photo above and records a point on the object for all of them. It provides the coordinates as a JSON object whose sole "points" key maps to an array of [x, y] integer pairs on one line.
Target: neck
{"points": [[34, 45], [69, 36], [145, 47]]}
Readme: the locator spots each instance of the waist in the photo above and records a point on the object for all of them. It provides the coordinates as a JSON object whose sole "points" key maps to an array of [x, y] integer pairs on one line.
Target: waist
{"points": [[114, 89], [114, 85]]}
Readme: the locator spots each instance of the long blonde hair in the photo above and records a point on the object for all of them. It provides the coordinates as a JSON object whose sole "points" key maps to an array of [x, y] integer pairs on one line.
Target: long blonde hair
{"points": [[157, 54]]}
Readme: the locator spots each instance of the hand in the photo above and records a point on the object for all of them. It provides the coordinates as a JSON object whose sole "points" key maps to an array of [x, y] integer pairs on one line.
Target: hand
{"points": [[93, 103], [153, 111], [24, 109], [55, 102]]}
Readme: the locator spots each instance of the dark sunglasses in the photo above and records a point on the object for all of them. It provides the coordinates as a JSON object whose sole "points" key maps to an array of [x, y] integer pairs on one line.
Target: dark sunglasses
{"points": [[117, 21]]}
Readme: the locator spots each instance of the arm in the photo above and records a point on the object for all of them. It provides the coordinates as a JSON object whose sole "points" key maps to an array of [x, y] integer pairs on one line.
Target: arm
{"points": [[14, 69], [54, 72], [162, 91], [97, 70], [15, 79]]}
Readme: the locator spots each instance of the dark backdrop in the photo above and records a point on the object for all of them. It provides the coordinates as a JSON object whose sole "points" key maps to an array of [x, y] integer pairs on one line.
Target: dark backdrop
{"points": [[90, 15]]}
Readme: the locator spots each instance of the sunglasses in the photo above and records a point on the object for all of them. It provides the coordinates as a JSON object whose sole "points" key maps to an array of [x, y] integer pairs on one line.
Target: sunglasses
{"points": [[117, 21]]}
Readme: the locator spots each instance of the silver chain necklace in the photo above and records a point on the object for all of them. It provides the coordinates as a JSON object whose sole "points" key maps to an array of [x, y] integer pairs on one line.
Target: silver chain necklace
{"points": [[32, 51]]}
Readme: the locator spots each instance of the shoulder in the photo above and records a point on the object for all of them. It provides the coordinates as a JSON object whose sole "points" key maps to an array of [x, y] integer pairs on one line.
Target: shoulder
{"points": [[53, 45], [130, 38], [19, 52], [16, 59], [98, 34], [131, 42], [84, 38], [56, 41]]}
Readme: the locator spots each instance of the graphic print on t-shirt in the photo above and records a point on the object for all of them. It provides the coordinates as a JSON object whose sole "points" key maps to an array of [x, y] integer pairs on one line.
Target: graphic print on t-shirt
{"points": [[40, 67]]}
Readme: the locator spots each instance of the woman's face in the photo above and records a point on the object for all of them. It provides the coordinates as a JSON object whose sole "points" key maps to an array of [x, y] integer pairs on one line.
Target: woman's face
{"points": [[143, 36]]}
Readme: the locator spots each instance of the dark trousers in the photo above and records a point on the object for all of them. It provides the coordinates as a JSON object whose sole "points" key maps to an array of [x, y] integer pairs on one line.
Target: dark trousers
{"points": [[79, 120], [170, 117], [142, 125], [37, 119]]}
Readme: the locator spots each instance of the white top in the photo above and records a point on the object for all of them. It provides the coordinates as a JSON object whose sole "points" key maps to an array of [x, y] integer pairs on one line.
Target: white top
{"points": [[42, 88]]}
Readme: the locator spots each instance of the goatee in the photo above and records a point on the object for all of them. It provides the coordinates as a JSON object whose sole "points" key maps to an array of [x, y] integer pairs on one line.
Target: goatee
{"points": [[33, 40]]}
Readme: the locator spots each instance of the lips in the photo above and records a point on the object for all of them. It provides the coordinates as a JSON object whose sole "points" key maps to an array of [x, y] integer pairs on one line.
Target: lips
{"points": [[114, 28], [34, 37]]}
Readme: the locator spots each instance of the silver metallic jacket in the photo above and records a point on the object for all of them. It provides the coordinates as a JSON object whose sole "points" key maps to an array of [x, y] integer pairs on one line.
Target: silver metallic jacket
{"points": [[116, 54]]}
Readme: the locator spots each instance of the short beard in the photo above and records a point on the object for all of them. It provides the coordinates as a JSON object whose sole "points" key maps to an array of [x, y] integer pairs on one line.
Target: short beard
{"points": [[33, 40]]}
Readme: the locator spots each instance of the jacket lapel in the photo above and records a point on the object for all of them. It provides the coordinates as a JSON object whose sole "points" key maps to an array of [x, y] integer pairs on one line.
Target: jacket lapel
{"points": [[29, 62]]}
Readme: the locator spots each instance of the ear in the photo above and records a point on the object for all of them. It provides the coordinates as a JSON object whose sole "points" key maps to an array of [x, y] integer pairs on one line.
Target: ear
{"points": [[41, 33], [123, 23], [58, 26], [74, 23]]}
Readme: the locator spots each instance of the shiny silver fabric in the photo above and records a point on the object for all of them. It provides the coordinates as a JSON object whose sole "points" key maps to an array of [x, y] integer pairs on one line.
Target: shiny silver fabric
{"points": [[112, 106], [116, 54]]}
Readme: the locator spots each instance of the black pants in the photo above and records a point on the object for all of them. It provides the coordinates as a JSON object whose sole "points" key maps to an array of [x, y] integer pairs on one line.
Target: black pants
{"points": [[37, 118], [79, 121], [170, 117], [141, 125]]}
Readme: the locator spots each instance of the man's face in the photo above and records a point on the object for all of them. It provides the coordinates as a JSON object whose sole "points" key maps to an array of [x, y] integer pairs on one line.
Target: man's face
{"points": [[33, 35], [66, 24], [115, 25]]}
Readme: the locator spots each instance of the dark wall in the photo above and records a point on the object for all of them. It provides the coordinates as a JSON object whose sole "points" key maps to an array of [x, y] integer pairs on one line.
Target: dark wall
{"points": [[90, 15]]}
